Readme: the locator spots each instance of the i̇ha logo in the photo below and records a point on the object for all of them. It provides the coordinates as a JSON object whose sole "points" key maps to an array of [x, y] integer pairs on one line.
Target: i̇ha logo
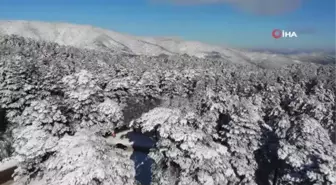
{"points": [[276, 33]]}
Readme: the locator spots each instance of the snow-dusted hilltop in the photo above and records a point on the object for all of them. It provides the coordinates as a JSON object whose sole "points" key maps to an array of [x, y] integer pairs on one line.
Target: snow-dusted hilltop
{"points": [[212, 121], [85, 36]]}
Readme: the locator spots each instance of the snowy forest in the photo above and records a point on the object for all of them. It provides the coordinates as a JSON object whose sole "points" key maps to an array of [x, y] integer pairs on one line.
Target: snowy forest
{"points": [[214, 122]]}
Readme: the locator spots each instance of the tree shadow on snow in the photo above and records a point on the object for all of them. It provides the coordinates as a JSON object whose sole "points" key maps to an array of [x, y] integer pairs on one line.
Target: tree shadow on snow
{"points": [[142, 162]]}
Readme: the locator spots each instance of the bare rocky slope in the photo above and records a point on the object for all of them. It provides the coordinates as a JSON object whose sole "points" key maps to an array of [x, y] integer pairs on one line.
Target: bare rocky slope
{"points": [[215, 122]]}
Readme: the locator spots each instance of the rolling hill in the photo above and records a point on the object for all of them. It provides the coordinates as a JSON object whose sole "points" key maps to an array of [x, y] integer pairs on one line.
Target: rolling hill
{"points": [[89, 37]]}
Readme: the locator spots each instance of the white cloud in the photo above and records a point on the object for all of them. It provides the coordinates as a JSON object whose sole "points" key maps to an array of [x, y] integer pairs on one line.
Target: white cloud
{"points": [[267, 7]]}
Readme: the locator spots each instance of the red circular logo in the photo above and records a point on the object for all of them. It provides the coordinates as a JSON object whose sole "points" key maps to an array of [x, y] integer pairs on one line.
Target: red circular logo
{"points": [[276, 33]]}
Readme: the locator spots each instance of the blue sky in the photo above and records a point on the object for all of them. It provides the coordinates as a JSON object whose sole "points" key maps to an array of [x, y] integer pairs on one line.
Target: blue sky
{"points": [[219, 23]]}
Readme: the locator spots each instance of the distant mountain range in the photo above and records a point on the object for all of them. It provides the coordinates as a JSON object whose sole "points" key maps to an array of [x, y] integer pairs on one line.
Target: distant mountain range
{"points": [[320, 56], [89, 37], [296, 51]]}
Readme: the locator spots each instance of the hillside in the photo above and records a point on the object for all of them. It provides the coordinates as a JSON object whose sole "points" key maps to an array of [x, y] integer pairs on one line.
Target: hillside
{"points": [[214, 121], [89, 37]]}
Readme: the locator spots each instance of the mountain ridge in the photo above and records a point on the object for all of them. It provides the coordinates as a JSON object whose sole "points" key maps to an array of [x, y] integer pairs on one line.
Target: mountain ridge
{"points": [[90, 37], [84, 36]]}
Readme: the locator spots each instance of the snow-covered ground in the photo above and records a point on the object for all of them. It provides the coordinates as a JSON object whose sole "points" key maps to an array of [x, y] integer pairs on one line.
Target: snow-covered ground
{"points": [[131, 139], [128, 138], [120, 138], [5, 165]]}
